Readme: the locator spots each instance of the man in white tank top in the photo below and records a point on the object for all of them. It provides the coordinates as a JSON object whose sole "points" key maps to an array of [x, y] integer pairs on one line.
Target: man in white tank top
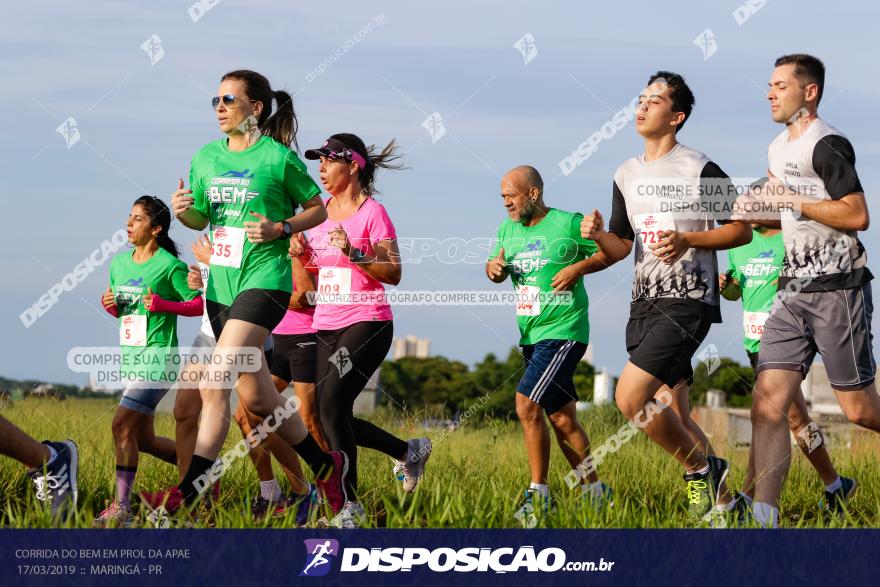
{"points": [[824, 300]]}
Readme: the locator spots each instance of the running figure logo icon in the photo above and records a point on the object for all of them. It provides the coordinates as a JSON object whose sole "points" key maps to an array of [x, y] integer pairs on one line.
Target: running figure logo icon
{"points": [[153, 48], [434, 125], [69, 131], [707, 44], [527, 48], [709, 357], [341, 359], [318, 552]]}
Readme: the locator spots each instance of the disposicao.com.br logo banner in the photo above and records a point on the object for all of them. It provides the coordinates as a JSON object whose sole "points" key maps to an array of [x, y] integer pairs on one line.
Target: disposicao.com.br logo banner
{"points": [[322, 552]]}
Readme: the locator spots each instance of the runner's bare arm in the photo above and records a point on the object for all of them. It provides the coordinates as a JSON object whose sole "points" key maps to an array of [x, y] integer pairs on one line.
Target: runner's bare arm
{"points": [[596, 262], [384, 264], [728, 236], [612, 247], [768, 223], [313, 214], [848, 213]]}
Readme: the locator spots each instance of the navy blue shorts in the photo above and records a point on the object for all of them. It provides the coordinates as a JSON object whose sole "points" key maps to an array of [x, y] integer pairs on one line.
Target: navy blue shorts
{"points": [[549, 377]]}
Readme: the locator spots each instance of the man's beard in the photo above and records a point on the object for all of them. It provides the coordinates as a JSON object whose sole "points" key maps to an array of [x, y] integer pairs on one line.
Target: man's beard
{"points": [[528, 212]]}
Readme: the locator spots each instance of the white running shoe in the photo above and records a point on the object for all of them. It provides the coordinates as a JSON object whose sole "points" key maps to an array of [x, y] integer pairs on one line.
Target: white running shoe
{"points": [[413, 466], [352, 515]]}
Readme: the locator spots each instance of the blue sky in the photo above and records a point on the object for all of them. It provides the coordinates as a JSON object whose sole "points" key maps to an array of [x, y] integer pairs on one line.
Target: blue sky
{"points": [[139, 125]]}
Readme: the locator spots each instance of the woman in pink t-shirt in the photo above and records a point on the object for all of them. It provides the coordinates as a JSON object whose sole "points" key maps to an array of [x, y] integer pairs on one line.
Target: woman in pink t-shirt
{"points": [[355, 252]]}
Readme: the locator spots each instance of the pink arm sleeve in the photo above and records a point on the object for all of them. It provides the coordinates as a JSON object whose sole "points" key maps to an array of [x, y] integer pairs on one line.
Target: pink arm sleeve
{"points": [[194, 307], [111, 310]]}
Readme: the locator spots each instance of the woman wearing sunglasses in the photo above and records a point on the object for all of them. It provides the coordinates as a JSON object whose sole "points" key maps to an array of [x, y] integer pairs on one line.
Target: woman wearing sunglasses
{"points": [[356, 252], [247, 186]]}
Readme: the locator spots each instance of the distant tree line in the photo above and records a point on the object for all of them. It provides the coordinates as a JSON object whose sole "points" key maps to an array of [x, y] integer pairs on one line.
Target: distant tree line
{"points": [[451, 387]]}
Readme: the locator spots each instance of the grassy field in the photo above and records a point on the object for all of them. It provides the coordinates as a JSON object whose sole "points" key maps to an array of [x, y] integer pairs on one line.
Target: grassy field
{"points": [[474, 478]]}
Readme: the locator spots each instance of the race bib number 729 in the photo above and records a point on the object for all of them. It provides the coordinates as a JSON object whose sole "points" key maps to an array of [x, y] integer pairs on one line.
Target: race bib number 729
{"points": [[648, 226]]}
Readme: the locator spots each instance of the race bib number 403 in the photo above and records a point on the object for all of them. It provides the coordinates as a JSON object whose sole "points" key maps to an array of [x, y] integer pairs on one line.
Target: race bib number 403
{"points": [[334, 285]]}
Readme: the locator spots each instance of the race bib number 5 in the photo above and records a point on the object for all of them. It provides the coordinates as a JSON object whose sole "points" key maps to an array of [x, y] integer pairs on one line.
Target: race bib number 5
{"points": [[227, 245], [334, 285], [648, 226], [753, 324], [133, 330]]}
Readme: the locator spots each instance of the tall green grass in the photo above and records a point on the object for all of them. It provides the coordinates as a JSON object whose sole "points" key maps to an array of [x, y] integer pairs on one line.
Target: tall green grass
{"points": [[474, 478]]}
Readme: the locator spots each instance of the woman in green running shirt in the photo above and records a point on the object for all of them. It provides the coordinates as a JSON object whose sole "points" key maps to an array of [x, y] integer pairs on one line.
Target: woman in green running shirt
{"points": [[247, 186], [148, 290]]}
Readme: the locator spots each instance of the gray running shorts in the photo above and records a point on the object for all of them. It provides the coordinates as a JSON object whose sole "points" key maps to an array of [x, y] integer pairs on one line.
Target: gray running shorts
{"points": [[836, 324]]}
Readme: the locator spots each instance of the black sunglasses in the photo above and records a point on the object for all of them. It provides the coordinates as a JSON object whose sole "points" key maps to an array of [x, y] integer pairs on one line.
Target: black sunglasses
{"points": [[229, 101]]}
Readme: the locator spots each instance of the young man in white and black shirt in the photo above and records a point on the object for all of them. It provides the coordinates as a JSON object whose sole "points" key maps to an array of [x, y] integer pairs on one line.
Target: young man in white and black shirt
{"points": [[824, 300], [660, 203]]}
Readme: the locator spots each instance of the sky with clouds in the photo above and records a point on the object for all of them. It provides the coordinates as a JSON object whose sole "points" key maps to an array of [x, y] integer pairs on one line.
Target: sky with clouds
{"points": [[140, 115]]}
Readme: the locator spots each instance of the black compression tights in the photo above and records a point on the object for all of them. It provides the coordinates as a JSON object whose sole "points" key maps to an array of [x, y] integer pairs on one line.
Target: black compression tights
{"points": [[346, 359]]}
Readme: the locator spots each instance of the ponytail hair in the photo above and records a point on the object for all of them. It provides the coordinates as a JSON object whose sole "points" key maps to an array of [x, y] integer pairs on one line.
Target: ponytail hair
{"points": [[387, 158], [281, 125], [160, 217]]}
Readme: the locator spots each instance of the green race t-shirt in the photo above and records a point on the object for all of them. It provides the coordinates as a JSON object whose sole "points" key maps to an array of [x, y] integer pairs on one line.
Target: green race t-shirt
{"points": [[757, 266], [534, 254], [145, 336], [266, 178]]}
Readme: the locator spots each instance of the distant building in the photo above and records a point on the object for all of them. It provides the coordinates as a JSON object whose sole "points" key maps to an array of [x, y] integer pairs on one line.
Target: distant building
{"points": [[367, 401], [715, 398], [588, 356], [602, 389], [410, 346], [817, 391]]}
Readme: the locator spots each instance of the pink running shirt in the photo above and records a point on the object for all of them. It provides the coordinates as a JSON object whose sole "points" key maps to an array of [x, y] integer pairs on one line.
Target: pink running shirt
{"points": [[369, 225]]}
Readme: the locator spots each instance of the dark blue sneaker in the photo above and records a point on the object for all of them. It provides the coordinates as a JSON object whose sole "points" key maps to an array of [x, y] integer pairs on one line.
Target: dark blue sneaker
{"points": [[56, 481], [532, 507], [743, 510], [304, 505], [835, 502]]}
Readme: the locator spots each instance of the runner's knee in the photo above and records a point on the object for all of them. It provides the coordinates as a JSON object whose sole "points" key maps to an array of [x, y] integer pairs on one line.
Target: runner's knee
{"points": [[766, 411], [187, 411], [864, 416], [528, 411]]}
